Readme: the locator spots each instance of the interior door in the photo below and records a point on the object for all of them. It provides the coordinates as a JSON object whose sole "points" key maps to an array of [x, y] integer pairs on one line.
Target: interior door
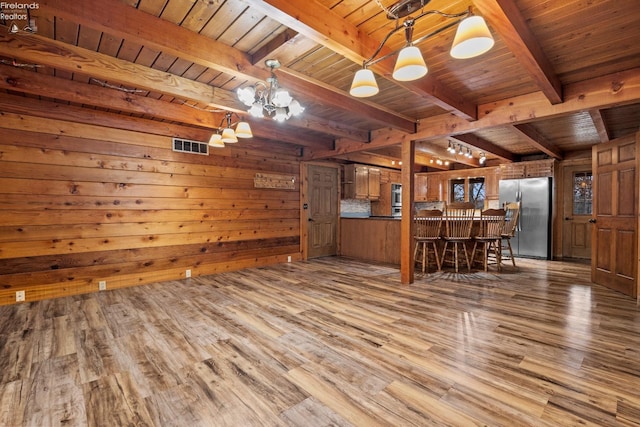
{"points": [[577, 209], [322, 211], [614, 259]]}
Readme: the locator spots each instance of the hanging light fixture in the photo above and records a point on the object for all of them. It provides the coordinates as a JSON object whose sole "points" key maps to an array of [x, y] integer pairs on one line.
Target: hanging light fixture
{"points": [[268, 98], [472, 38], [482, 159], [227, 135], [451, 149]]}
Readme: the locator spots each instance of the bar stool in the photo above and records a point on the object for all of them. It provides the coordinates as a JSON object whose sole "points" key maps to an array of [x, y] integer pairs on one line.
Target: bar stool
{"points": [[512, 210], [458, 222], [489, 236], [427, 233]]}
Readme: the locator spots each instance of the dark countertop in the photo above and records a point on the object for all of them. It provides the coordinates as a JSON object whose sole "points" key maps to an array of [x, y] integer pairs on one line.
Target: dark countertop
{"points": [[372, 217]]}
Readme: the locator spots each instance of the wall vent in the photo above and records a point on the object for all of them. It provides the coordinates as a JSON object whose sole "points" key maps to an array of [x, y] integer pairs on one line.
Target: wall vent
{"points": [[188, 146]]}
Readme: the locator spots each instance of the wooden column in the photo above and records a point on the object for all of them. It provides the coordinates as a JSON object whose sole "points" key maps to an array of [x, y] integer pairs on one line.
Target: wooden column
{"points": [[406, 232]]}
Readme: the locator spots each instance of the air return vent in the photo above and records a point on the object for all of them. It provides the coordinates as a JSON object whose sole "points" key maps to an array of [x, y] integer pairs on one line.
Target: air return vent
{"points": [[193, 147]]}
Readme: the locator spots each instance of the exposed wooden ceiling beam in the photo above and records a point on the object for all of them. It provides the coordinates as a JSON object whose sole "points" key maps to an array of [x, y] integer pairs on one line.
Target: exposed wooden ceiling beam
{"points": [[58, 111], [424, 147], [40, 50], [103, 67], [485, 146], [41, 84], [368, 159], [603, 92], [505, 18], [147, 30], [326, 27], [535, 138], [598, 122], [286, 47], [333, 97]]}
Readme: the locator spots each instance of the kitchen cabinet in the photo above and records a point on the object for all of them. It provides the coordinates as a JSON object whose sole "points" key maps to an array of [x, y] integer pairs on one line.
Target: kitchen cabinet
{"points": [[374, 183], [530, 169], [420, 187], [428, 187], [361, 182]]}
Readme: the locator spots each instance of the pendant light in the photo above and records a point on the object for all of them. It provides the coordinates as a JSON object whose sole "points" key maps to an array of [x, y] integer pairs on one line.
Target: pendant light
{"points": [[472, 38], [216, 141], [364, 84], [410, 65], [228, 135]]}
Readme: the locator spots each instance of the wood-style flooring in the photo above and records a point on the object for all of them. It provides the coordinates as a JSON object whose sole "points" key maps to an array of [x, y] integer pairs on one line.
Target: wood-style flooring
{"points": [[330, 342]]}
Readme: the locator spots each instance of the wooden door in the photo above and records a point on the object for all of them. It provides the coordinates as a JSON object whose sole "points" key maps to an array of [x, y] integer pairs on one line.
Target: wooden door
{"points": [[614, 259], [322, 211], [577, 209]]}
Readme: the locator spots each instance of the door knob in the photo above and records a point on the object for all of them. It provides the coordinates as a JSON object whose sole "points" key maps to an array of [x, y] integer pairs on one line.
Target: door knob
{"points": [[310, 219], [592, 220], [567, 218]]}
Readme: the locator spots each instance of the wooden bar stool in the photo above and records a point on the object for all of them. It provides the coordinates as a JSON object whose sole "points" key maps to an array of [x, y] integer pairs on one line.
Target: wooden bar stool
{"points": [[458, 222], [512, 213], [427, 233], [489, 237]]}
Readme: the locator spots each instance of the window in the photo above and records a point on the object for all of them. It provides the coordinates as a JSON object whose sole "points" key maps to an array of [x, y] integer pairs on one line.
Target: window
{"points": [[477, 192], [582, 193], [457, 190]]}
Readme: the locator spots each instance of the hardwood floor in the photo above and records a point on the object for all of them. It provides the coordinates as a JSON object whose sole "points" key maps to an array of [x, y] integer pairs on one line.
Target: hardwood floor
{"points": [[328, 342]]}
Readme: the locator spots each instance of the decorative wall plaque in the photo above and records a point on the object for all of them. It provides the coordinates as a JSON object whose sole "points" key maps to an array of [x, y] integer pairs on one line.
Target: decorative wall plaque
{"points": [[269, 180]]}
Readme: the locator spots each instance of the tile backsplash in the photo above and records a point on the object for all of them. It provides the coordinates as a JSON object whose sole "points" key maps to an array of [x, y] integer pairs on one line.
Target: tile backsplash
{"points": [[355, 208]]}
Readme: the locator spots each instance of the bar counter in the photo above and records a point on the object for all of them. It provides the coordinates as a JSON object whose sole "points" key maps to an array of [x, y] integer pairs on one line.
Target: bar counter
{"points": [[375, 238]]}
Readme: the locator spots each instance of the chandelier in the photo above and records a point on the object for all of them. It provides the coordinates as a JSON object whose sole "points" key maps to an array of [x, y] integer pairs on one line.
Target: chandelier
{"points": [[227, 134], [472, 39], [269, 99]]}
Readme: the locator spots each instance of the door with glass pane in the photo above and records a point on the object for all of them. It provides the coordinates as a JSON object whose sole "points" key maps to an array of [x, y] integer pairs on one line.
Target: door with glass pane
{"points": [[577, 211]]}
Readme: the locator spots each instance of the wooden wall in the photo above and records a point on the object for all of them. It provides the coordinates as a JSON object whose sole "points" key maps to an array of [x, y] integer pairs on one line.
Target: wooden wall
{"points": [[83, 203]]}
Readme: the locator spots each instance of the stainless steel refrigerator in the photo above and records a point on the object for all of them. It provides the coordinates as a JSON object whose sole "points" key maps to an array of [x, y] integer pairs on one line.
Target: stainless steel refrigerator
{"points": [[533, 235]]}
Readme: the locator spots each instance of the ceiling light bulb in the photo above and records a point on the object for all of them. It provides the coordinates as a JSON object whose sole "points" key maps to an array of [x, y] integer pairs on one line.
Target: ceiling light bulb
{"points": [[295, 108], [282, 98], [256, 110], [472, 38], [229, 136], [460, 152], [364, 84], [410, 65], [216, 140], [280, 114], [243, 130], [247, 95]]}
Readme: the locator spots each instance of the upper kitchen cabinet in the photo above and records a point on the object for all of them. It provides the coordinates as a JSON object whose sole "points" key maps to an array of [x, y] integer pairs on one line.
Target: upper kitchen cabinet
{"points": [[428, 187], [361, 182]]}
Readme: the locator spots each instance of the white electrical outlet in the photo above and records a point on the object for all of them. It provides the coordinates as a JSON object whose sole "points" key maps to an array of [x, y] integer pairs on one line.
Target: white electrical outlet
{"points": [[289, 258], [20, 296], [188, 273], [102, 285]]}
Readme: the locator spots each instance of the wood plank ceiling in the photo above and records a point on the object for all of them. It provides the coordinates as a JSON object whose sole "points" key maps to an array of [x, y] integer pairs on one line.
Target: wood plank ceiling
{"points": [[561, 77]]}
